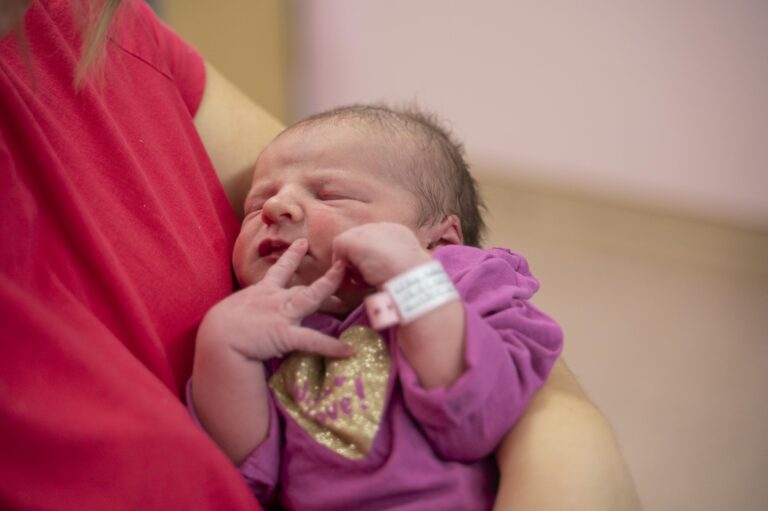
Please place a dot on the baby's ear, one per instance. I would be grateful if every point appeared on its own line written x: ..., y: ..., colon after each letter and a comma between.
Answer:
x: 447, y: 232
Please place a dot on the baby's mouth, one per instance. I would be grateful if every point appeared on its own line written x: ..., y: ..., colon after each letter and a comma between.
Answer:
x: 274, y: 248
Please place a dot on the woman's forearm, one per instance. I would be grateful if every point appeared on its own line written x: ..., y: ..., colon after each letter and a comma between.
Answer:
x: 234, y: 130
x: 563, y: 455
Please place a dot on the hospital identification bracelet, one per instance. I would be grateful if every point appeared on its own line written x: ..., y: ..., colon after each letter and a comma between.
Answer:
x: 410, y: 295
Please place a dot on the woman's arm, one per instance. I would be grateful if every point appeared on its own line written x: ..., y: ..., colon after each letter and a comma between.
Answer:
x: 563, y: 455
x: 234, y: 130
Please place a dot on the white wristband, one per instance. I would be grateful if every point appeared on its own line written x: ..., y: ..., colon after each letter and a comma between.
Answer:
x: 410, y: 295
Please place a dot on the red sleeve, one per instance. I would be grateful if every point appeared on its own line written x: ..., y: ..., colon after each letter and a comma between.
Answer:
x: 150, y: 39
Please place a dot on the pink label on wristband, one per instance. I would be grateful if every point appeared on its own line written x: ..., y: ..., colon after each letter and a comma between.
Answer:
x: 381, y: 310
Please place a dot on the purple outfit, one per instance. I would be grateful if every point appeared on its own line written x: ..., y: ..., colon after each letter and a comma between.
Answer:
x: 433, y: 448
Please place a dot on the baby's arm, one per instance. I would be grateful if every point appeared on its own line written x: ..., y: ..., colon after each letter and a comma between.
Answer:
x: 510, y: 347
x: 229, y: 389
x: 472, y: 365
x: 433, y: 343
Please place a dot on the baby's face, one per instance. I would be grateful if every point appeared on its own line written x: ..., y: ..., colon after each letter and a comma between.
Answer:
x: 315, y: 183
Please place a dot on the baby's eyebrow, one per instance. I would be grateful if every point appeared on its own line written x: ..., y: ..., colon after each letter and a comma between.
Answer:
x: 257, y: 190
x: 322, y: 176
x: 260, y: 186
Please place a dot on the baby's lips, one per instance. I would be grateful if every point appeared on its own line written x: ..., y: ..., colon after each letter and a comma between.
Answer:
x: 271, y: 246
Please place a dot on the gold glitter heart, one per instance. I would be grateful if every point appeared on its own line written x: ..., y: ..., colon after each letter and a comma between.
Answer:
x: 338, y: 402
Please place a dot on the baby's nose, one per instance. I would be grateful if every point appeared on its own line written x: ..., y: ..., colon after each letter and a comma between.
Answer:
x: 281, y: 207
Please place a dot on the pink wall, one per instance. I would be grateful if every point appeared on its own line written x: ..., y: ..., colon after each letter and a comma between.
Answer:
x: 658, y: 101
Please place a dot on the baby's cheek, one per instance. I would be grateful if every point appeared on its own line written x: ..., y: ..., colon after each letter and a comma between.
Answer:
x: 238, y: 258
x: 245, y: 255
x: 322, y: 231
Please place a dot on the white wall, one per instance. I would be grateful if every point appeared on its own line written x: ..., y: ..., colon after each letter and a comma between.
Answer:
x: 663, y: 102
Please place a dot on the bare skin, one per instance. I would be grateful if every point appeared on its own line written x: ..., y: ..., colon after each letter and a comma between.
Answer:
x: 234, y: 131
x: 563, y: 455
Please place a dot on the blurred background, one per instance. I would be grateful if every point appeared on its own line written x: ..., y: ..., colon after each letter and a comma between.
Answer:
x: 621, y: 146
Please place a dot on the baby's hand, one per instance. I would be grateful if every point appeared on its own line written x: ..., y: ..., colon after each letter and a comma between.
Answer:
x: 379, y: 251
x: 262, y: 321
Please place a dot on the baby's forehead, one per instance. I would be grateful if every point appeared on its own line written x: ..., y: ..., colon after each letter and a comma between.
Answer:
x: 349, y: 143
x: 331, y: 130
x: 393, y: 134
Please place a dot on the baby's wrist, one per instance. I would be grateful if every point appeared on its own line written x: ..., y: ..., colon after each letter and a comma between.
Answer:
x: 404, y: 265
x: 410, y: 295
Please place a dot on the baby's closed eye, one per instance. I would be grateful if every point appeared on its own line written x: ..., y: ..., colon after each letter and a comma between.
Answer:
x: 339, y: 194
x: 335, y: 195
x: 254, y: 206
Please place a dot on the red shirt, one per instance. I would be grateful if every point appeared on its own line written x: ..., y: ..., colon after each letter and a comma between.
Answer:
x: 115, y: 240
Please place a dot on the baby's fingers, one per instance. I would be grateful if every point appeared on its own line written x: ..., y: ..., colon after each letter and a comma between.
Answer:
x: 333, y: 305
x: 280, y: 273
x: 306, y: 300
x: 312, y: 341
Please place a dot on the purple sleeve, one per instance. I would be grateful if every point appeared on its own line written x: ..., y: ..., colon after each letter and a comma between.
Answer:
x: 262, y: 466
x: 510, y: 349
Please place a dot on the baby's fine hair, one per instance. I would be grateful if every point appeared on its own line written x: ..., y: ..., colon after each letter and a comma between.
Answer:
x: 448, y: 187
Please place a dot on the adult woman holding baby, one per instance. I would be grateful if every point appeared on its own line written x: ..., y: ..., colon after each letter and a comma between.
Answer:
x: 123, y: 157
